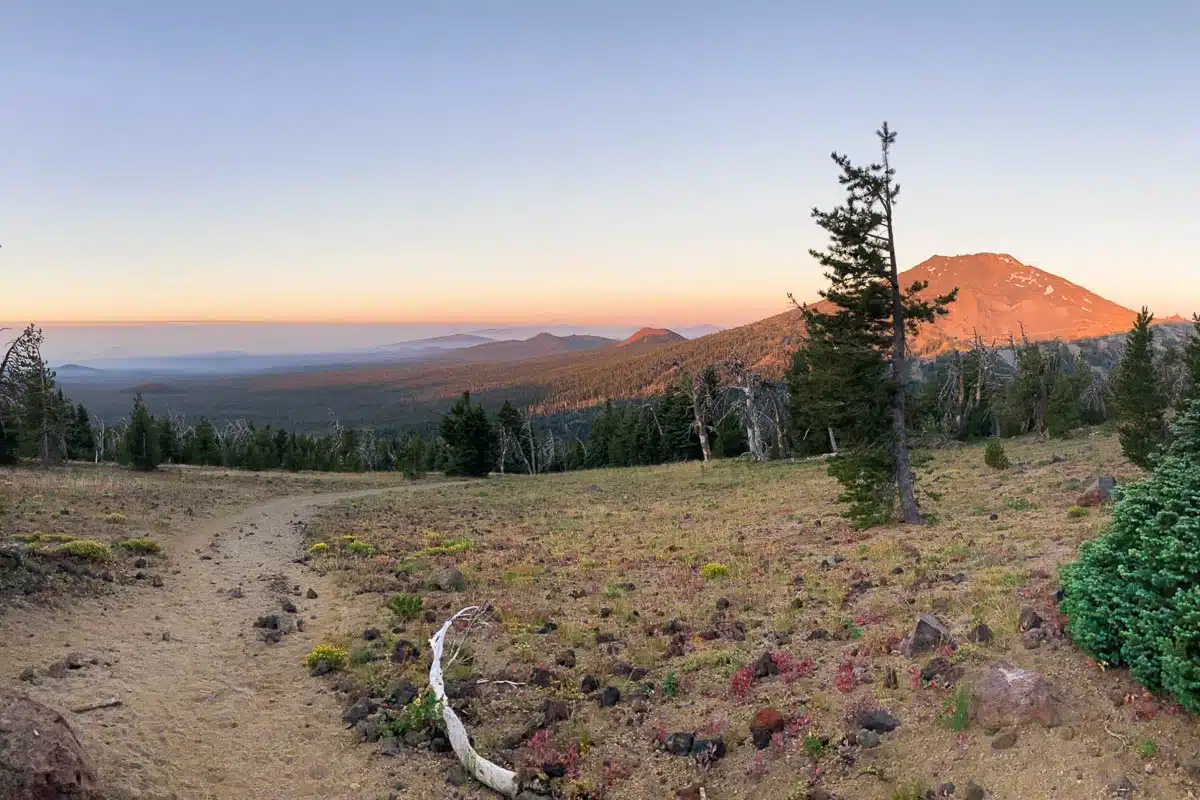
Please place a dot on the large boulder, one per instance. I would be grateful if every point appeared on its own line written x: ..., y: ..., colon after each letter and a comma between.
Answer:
x: 1009, y: 696
x: 1098, y: 493
x: 927, y: 635
x: 40, y: 756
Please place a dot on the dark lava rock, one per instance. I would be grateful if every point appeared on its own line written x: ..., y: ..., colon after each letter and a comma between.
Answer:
x: 404, y: 651
x: 322, y: 667
x: 370, y: 634
x: 637, y: 673
x: 450, y: 580
x: 1121, y: 787
x: 1028, y: 619
x: 1004, y: 740
x: 817, y: 635
x: 980, y: 634
x: 555, y: 711
x: 589, y: 684
x: 40, y: 756
x: 610, y: 697
x: 288, y: 606
x: 722, y: 603
x: 974, y: 791
x: 553, y: 771
x: 547, y: 628
x: 140, y: 563
x: 939, y: 668
x: 311, y: 594
x: 709, y: 749
x: 766, y: 723
x: 541, y: 677
x: 401, y: 693
x: 876, y: 720
x: 357, y: 712
x: 765, y: 666
x: 566, y: 659
x: 679, y: 744
x: 605, y: 638
x: 928, y: 635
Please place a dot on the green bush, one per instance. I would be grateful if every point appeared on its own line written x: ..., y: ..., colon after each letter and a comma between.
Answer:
x: 994, y: 455
x: 141, y: 544
x: 1133, y: 597
x: 87, y: 549
x: 334, y: 656
x: 713, y: 570
x: 405, y: 606
x: 1077, y: 512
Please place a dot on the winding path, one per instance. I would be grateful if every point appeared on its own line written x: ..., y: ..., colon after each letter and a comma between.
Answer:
x: 209, y: 711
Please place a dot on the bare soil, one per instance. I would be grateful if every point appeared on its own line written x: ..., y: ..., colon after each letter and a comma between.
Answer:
x: 208, y: 709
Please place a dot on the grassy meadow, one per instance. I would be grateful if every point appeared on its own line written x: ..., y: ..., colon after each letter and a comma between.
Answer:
x: 671, y: 583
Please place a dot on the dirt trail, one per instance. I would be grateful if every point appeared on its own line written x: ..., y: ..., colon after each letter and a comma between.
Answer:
x: 209, y: 710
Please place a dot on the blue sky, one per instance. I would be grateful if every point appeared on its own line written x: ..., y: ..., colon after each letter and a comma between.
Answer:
x: 617, y: 163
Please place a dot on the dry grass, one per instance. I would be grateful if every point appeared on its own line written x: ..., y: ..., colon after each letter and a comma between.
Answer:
x: 127, y: 511
x: 623, y: 552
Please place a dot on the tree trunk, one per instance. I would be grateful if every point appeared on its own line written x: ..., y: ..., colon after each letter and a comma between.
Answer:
x: 904, y: 475
x: 699, y: 417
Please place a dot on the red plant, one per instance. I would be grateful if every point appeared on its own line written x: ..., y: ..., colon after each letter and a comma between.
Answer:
x: 758, y: 767
x: 541, y: 747
x: 573, y: 762
x: 794, y: 725
x: 844, y: 680
x: 790, y: 667
x: 914, y: 678
x: 742, y: 680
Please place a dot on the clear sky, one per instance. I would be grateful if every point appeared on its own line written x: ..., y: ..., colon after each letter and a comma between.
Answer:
x: 606, y: 162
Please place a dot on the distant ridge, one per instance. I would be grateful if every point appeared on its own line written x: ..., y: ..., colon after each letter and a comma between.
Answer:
x: 651, y: 337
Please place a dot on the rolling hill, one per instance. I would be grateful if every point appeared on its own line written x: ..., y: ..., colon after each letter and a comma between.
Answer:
x: 998, y: 297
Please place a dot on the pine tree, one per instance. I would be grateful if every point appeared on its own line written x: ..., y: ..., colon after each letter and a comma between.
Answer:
x: 169, y: 449
x: 141, y: 438
x: 44, y: 416
x: 867, y: 329
x: 1138, y: 397
x: 1191, y: 360
x: 81, y: 439
x: 1063, y: 413
x: 470, y: 439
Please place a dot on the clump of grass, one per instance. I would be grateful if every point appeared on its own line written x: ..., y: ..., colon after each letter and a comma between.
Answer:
x: 405, y: 606
x: 914, y: 790
x: 1147, y: 748
x: 141, y: 544
x: 318, y: 549
x: 814, y: 747
x: 335, y: 657
x: 360, y: 548
x: 87, y: 549
x: 60, y: 538
x: 956, y: 710
x: 670, y: 685
x: 1075, y: 512
x: 362, y: 655
x: 449, y: 548
x: 1018, y: 504
x: 714, y: 570
x: 994, y: 455
x: 114, y: 518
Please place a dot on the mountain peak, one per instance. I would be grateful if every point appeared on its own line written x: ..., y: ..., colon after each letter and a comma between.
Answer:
x: 652, y: 337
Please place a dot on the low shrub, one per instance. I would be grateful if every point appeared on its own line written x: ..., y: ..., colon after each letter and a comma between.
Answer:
x: 115, y: 518
x: 318, y: 549
x: 994, y: 455
x: 712, y: 571
x: 360, y: 548
x: 405, y: 606
x: 141, y: 544
x: 87, y: 549
x: 421, y: 713
x: 335, y: 657
x: 1076, y: 512
x: 1133, y: 596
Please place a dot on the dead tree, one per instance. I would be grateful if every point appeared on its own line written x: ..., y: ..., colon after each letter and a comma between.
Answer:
x: 749, y: 384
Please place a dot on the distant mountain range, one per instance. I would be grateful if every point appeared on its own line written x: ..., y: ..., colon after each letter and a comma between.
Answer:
x: 998, y: 298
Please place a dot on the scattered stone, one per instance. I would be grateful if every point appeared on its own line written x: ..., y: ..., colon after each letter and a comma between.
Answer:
x: 831, y: 561
x: 939, y: 668
x: 765, y: 666
x: 868, y: 738
x: 357, y: 712
x: 370, y: 634
x: 605, y: 638
x: 1004, y: 740
x: 877, y: 720
x: 236, y: 593
x: 1121, y: 787
x: 1009, y: 696
x: 610, y: 697
x: 1098, y: 493
x: 288, y: 606
x: 722, y: 603
x: 40, y: 755
x: 589, y: 684
x: 980, y: 634
x: 993, y: 517
x: 401, y: 693
x: 709, y: 749
x: 140, y: 563
x: 928, y: 635
x: 637, y: 673
x: 974, y: 791
x: 450, y: 580
x: 691, y: 793
x: 541, y: 677
x: 605, y: 612
x: 555, y: 711
x: 566, y: 659
x: 430, y: 616
x: 677, y: 647
x: 156, y: 581
x: 679, y: 744
x: 766, y: 724
x: 1033, y: 638
x: 311, y: 594
x: 1028, y: 619
x: 817, y: 635
x: 29, y: 675
x: 404, y: 651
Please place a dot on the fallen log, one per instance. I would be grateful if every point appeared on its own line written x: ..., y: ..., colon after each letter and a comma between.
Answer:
x: 489, y: 774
